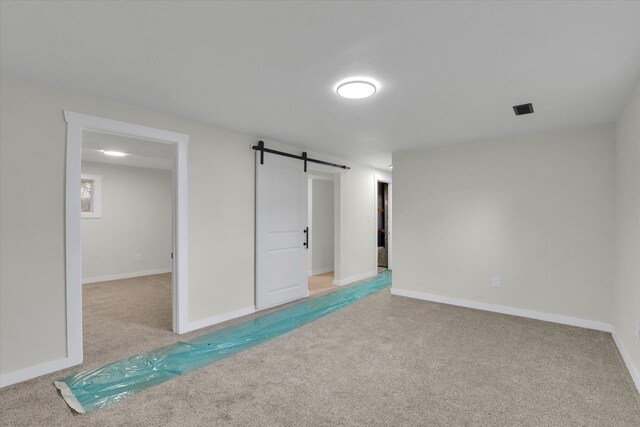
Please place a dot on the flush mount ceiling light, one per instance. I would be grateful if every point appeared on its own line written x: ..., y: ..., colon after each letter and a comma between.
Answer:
x: 357, y: 87
x: 113, y: 153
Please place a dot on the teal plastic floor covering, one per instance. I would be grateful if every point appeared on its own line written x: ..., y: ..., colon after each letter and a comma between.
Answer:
x: 88, y: 391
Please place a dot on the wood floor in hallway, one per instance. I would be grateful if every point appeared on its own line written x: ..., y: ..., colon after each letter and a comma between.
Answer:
x: 321, y: 283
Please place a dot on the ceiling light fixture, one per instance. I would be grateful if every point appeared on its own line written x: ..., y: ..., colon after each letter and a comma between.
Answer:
x: 113, y: 153
x: 357, y: 87
x: 390, y: 166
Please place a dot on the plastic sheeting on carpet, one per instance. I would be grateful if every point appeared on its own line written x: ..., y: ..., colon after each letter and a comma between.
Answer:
x: 88, y: 391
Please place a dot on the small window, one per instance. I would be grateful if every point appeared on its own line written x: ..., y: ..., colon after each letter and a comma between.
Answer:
x: 90, y: 196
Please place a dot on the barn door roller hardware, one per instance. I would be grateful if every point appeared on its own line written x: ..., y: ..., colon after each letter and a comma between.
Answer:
x: 262, y: 149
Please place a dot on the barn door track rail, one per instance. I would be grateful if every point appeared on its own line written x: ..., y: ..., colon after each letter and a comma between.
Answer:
x: 262, y: 149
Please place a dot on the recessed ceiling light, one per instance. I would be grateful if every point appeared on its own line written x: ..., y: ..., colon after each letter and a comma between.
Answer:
x: 113, y: 153
x: 357, y: 87
x: 390, y: 166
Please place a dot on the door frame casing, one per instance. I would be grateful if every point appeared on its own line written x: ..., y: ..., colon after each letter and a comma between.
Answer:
x: 77, y: 123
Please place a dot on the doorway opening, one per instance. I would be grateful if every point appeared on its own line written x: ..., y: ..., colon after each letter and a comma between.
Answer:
x: 93, y: 201
x: 321, y: 222
x: 282, y: 224
x: 382, y: 220
x: 126, y: 198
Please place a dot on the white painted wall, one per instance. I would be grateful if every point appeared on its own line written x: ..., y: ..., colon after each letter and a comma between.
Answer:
x: 537, y: 211
x: 221, y: 216
x: 356, y: 228
x: 321, y: 226
x: 626, y: 303
x: 136, y: 221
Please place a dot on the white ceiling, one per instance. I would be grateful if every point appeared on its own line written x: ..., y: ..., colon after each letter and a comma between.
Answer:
x: 449, y: 71
x: 140, y: 153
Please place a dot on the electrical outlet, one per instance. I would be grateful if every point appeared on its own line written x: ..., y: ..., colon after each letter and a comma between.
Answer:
x: 495, y: 281
x: 138, y: 258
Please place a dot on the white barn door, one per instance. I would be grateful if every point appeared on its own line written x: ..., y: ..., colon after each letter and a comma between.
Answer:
x: 281, y: 230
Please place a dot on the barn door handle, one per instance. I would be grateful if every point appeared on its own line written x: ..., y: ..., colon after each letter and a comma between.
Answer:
x: 306, y: 237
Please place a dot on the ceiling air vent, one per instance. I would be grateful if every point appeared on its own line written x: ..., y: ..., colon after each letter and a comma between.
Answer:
x: 523, y: 109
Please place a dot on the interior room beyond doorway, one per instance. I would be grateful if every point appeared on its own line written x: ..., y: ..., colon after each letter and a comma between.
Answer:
x: 126, y: 228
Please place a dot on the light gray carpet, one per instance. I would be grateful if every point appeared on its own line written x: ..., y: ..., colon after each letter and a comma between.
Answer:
x: 385, y: 360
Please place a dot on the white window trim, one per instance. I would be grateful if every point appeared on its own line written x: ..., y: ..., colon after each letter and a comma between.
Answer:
x: 96, y: 196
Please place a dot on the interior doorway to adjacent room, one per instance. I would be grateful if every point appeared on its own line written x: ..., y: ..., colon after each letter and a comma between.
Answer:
x: 321, y: 219
x: 85, y: 133
x: 382, y: 223
x: 282, y: 225
x: 126, y: 195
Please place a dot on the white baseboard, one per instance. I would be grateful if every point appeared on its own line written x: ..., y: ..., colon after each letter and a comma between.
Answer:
x: 320, y: 271
x: 36, y: 371
x: 633, y: 369
x: 198, y: 324
x: 548, y: 317
x: 125, y: 275
x: 349, y: 280
x: 56, y: 365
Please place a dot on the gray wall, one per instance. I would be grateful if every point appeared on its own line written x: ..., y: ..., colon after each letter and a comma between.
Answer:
x: 136, y: 221
x: 537, y: 211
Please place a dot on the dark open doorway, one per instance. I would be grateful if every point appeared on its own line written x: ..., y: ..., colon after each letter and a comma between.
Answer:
x: 383, y: 223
